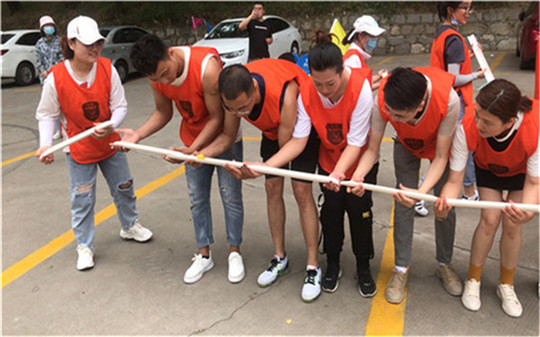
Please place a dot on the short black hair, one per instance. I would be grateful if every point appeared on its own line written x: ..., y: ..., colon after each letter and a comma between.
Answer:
x: 288, y: 57
x: 147, y: 53
x: 442, y: 8
x: 259, y: 3
x: 404, y: 89
x: 234, y: 80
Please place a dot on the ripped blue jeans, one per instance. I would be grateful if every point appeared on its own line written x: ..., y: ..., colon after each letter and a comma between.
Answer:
x: 82, y: 180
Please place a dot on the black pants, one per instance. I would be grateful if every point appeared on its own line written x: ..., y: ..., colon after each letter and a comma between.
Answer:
x: 360, y: 220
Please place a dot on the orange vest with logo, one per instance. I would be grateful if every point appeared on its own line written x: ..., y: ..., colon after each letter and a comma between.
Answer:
x: 437, y: 61
x: 332, y: 125
x: 350, y: 52
x: 83, y: 107
x: 421, y: 139
x: 275, y: 73
x: 513, y: 160
x: 189, y: 96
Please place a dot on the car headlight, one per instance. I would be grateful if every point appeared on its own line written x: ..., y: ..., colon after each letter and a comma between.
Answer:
x: 233, y: 54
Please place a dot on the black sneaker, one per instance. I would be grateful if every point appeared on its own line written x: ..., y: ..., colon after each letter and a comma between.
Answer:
x: 366, y: 285
x: 331, y: 278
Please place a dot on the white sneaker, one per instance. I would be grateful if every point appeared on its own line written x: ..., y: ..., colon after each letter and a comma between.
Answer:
x: 474, y: 197
x: 420, y: 208
x: 510, y: 303
x: 57, y: 135
x: 236, y: 268
x: 278, y: 267
x: 86, y: 257
x: 471, y: 295
x: 312, y: 285
x: 136, y: 232
x: 199, y: 266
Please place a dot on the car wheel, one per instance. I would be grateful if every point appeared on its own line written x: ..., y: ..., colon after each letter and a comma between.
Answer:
x: 25, y: 74
x: 122, y: 69
x: 294, y: 48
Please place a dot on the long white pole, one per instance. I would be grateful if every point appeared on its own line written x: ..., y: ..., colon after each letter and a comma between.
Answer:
x: 322, y: 179
x: 75, y: 139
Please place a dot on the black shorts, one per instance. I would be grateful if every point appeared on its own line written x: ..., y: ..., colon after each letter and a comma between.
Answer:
x: 486, y: 178
x: 305, y: 162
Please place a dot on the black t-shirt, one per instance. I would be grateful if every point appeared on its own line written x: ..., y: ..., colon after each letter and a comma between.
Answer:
x: 258, y: 32
x: 453, y: 48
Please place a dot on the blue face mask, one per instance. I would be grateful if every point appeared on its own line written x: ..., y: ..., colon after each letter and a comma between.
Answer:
x: 48, y: 30
x: 371, y: 44
x: 455, y: 22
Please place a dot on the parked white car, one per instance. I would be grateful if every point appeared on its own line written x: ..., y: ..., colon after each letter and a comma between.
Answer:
x: 19, y: 56
x: 232, y: 43
x: 120, y: 40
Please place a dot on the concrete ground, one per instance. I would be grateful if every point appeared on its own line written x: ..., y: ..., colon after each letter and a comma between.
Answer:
x: 137, y: 289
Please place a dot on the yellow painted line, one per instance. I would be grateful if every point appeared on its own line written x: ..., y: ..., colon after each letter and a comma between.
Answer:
x: 24, y: 156
x: 252, y: 138
x: 26, y: 264
x: 28, y: 90
x: 383, y: 61
x: 386, y: 319
x: 498, y: 60
x: 387, y: 139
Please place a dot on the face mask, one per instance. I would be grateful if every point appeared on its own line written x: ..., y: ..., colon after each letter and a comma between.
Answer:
x: 48, y: 30
x: 455, y: 22
x: 371, y: 44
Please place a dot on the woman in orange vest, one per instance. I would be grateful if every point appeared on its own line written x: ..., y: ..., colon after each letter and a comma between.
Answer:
x: 363, y: 40
x: 502, y: 130
x: 450, y: 53
x: 337, y: 104
x: 423, y: 109
x: 83, y: 91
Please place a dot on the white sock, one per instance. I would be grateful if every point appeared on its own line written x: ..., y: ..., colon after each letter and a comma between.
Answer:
x: 311, y: 267
x: 402, y: 270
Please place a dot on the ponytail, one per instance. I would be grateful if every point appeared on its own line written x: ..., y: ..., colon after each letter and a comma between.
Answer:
x: 326, y: 54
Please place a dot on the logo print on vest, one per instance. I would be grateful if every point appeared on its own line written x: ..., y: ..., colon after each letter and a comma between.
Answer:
x: 91, y: 110
x: 497, y: 169
x: 186, y: 106
x: 334, y: 133
x: 415, y: 144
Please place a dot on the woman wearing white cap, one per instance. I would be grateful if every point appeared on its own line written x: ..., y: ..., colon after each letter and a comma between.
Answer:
x: 363, y: 39
x: 85, y: 90
x: 48, y: 53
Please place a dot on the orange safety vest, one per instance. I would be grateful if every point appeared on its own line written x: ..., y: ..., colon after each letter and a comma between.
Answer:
x: 275, y: 73
x: 437, y: 61
x: 189, y: 96
x: 83, y: 107
x: 332, y: 125
x: 421, y: 139
x: 350, y: 52
x: 513, y: 160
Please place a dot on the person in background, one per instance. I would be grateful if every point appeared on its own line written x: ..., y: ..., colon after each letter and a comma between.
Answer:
x: 363, y: 40
x: 260, y: 33
x: 450, y: 53
x: 188, y: 77
x: 48, y: 53
x: 423, y: 108
x: 502, y: 131
x: 86, y: 90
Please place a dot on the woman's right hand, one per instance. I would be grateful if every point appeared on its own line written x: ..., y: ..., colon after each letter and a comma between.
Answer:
x: 481, y: 73
x: 47, y: 159
x: 129, y: 136
x: 441, y: 208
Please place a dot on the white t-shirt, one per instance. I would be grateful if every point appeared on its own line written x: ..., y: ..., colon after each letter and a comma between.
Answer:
x: 360, y: 119
x: 460, y: 151
x: 354, y: 61
x: 49, y: 110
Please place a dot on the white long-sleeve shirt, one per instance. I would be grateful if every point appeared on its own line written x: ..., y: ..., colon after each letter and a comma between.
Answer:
x: 48, y: 110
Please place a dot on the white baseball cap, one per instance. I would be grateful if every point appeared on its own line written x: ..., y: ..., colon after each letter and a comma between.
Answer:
x: 368, y: 24
x: 46, y: 20
x: 84, y: 29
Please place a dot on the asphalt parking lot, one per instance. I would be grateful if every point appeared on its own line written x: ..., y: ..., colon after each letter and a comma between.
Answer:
x: 137, y: 289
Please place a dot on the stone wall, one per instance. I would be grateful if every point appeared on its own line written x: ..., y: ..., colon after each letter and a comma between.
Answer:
x: 405, y: 33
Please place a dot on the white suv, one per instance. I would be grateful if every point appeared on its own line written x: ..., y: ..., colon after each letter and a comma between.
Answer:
x: 19, y: 56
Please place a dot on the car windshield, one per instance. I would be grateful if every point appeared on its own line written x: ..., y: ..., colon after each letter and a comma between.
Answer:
x: 6, y: 37
x: 227, y: 30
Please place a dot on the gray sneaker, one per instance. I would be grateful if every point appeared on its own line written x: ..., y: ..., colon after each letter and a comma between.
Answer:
x: 395, y: 289
x: 449, y: 279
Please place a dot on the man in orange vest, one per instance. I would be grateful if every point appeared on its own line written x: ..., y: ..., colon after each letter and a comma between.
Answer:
x: 188, y: 76
x: 423, y: 108
x: 264, y: 93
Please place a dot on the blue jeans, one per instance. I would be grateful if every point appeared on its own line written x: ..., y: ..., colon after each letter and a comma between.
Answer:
x: 199, y: 181
x: 82, y: 179
x: 470, y: 175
